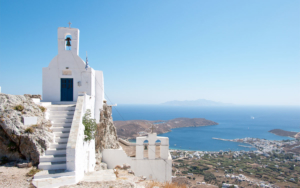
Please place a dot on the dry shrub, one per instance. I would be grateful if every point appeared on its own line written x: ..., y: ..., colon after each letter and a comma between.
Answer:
x: 116, y: 173
x: 19, y: 107
x: 35, y: 126
x: 29, y: 130
x: 118, y: 167
x: 32, y: 172
x: 43, y: 109
x: 152, y: 184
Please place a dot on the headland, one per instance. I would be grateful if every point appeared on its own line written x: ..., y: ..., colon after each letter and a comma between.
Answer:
x: 133, y: 128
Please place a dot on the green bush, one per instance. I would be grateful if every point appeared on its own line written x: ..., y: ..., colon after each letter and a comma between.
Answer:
x: 90, y: 126
x: 209, y: 177
x: 19, y: 107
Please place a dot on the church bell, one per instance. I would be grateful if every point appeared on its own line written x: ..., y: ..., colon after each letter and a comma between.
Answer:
x: 68, y: 41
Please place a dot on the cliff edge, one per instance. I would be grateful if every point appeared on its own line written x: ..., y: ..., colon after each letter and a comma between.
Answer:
x: 106, y: 133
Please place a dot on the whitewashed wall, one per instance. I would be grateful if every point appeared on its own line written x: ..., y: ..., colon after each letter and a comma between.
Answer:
x: 159, y: 169
x: 69, y: 61
x: 80, y: 154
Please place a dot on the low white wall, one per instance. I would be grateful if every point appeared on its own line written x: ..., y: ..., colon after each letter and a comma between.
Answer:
x: 155, y: 169
x: 80, y: 154
x: 114, y: 157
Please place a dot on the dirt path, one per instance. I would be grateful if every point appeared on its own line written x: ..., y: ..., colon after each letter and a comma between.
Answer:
x: 14, y: 177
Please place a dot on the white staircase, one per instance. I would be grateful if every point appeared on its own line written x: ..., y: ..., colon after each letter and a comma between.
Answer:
x: 53, y: 162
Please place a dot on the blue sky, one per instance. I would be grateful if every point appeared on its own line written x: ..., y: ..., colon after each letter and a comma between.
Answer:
x: 241, y: 52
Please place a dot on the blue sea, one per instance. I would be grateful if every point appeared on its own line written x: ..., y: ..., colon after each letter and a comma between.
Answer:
x: 234, y: 122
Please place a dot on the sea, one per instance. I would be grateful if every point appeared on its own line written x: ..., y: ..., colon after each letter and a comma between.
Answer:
x: 233, y: 122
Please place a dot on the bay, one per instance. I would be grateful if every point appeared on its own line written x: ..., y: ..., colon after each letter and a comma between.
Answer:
x: 234, y: 122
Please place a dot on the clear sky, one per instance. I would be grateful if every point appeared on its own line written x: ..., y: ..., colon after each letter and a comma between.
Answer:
x: 233, y: 51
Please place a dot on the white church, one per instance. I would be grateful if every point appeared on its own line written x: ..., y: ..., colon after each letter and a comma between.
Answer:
x: 70, y: 87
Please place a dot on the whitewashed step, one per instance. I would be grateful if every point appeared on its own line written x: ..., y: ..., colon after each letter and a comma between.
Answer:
x: 61, y: 134
x: 61, y: 129
x: 63, y: 108
x: 62, y: 120
x: 52, y: 165
x: 63, y: 112
x: 56, y: 152
x: 56, y: 146
x: 52, y: 158
x: 61, y: 124
x: 53, y: 174
x: 60, y: 140
x: 66, y: 103
x: 54, y: 117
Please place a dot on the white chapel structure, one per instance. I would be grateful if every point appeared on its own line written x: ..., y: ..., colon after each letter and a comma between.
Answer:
x: 68, y: 76
x: 70, y: 89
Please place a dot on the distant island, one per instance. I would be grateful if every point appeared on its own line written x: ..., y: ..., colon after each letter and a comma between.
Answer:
x: 133, y: 128
x: 281, y: 132
x: 199, y: 102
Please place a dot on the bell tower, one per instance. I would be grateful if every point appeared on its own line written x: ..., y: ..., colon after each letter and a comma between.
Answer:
x: 68, y: 36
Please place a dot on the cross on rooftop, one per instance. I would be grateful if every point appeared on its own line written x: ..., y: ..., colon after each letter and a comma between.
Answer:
x: 152, y: 128
x: 69, y: 24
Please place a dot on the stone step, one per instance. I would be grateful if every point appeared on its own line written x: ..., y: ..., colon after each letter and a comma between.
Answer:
x: 54, y: 117
x: 61, y: 120
x: 61, y: 113
x: 62, y: 134
x: 53, y: 174
x: 61, y: 140
x: 61, y: 129
x: 52, y: 158
x: 52, y: 165
x: 56, y: 152
x: 61, y: 108
x: 61, y: 124
x: 56, y: 146
x: 64, y: 103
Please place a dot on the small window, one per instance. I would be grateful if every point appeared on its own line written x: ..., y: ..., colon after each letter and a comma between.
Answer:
x: 68, y: 42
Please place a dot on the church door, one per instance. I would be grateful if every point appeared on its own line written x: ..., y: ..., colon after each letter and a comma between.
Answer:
x: 66, y: 91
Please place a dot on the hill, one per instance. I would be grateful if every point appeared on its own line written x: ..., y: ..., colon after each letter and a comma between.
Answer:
x: 133, y: 128
x: 199, y: 102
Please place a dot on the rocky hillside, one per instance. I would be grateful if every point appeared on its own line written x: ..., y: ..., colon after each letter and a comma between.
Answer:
x: 19, y: 142
x: 106, y: 133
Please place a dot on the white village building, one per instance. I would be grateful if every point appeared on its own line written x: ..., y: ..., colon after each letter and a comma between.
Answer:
x: 70, y: 87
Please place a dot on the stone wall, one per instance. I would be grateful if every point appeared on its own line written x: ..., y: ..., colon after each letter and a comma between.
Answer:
x: 17, y: 142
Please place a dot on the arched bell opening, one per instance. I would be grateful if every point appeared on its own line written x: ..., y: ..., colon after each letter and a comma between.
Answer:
x: 68, y: 42
x: 146, y: 147
x: 157, y: 148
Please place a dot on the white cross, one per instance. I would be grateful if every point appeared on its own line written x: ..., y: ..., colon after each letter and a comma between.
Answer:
x: 69, y: 24
x: 152, y: 128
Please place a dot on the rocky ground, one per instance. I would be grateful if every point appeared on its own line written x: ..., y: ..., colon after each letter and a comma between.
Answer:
x: 14, y: 177
x: 103, y: 184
